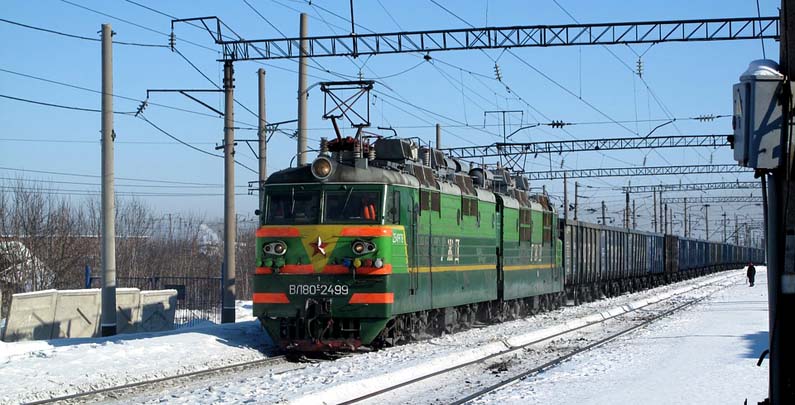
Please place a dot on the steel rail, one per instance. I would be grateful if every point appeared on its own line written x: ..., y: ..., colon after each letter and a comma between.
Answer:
x: 546, y: 365
x: 87, y: 395
x: 567, y: 356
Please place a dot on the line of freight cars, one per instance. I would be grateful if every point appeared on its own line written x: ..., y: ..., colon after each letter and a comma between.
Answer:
x: 603, y: 261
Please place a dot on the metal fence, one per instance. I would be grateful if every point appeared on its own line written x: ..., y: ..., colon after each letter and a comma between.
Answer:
x: 199, y: 299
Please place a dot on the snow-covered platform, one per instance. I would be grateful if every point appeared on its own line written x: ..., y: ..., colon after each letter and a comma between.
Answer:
x: 706, y: 355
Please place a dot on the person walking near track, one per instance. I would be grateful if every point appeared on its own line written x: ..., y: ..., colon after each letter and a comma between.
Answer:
x: 751, y: 273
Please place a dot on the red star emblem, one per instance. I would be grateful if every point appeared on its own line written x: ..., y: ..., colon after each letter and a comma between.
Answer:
x: 319, y: 247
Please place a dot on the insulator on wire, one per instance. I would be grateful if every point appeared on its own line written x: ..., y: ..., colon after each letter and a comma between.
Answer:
x: 172, y: 40
x: 497, y: 73
x: 705, y: 118
x: 142, y: 107
x: 640, y: 67
x: 557, y: 124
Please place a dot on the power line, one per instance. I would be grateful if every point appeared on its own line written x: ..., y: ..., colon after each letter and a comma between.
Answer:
x: 83, y: 141
x: 123, y: 193
x: 79, y: 36
x: 137, y: 100
x: 143, y: 27
x: 81, y: 183
x: 66, y: 107
x: 83, y: 175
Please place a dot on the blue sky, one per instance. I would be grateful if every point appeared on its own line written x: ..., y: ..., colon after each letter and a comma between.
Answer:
x: 686, y: 80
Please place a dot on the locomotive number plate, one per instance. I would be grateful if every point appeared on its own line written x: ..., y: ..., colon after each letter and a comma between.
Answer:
x: 318, y: 289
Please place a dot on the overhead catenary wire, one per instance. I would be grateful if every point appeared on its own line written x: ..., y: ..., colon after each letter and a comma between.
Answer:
x: 161, y: 130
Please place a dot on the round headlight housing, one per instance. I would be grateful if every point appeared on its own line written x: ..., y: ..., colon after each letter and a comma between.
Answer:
x: 322, y: 168
x: 361, y: 247
x: 278, y: 248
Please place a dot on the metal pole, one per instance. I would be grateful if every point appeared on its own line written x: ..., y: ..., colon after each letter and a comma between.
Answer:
x: 634, y: 217
x: 262, y: 138
x: 302, y: 92
x: 780, y: 230
x: 230, y: 230
x: 565, y: 197
x: 576, y: 199
x: 108, y: 322
x: 438, y: 136
x: 665, y: 218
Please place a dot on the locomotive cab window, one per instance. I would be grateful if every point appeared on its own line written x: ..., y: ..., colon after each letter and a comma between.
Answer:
x: 352, y: 205
x: 292, y: 206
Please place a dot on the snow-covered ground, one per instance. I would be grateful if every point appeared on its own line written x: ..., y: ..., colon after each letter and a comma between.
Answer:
x: 706, y: 355
x: 42, y: 369
x: 36, y: 370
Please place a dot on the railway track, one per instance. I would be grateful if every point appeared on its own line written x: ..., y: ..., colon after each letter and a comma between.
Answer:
x: 121, y: 391
x: 644, y: 316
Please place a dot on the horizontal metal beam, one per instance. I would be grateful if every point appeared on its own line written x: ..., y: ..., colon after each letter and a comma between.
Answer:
x: 636, y: 171
x: 713, y: 200
x: 728, y: 185
x: 584, y: 145
x: 718, y: 29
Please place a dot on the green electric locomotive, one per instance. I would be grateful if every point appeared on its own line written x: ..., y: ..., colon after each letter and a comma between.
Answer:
x: 378, y: 242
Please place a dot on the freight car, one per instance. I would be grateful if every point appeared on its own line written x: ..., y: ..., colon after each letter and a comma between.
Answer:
x: 376, y: 243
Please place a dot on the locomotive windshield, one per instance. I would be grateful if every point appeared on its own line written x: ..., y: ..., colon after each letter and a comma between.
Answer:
x: 352, y: 206
x: 291, y: 206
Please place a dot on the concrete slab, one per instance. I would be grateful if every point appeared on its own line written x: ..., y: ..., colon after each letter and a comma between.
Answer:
x: 30, y: 316
x: 157, y: 310
x: 128, y: 310
x: 77, y: 313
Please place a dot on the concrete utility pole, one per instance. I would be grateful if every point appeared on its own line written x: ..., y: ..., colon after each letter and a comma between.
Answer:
x: 230, y: 227
x: 736, y: 231
x: 634, y: 216
x: 626, y: 211
x: 662, y: 224
x: 654, y: 213
x: 576, y: 199
x: 685, y: 218
x: 706, y: 220
x: 438, y: 136
x: 664, y: 217
x: 302, y: 91
x: 565, y: 197
x: 604, y: 217
x: 108, y: 322
x: 262, y: 138
x: 724, y: 227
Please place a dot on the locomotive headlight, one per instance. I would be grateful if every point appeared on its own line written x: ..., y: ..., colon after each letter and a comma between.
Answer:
x: 278, y: 248
x: 322, y: 168
x: 379, y: 263
x: 361, y: 247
